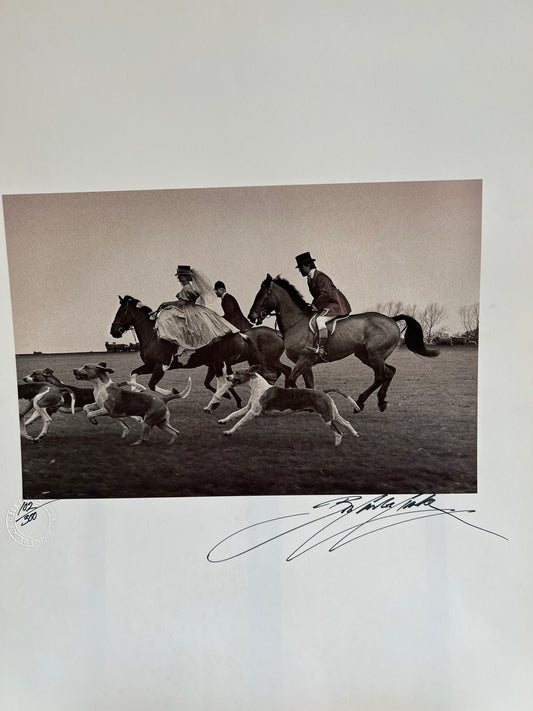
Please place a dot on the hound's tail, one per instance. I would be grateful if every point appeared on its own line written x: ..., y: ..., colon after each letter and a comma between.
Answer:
x: 176, y: 394
x: 72, y: 394
x: 356, y: 407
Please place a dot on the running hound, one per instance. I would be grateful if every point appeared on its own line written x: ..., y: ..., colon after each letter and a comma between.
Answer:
x: 265, y: 397
x: 112, y: 401
x: 75, y: 398
x: 43, y: 398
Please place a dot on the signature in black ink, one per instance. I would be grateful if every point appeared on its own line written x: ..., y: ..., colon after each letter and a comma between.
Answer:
x: 366, y: 515
x: 28, y: 512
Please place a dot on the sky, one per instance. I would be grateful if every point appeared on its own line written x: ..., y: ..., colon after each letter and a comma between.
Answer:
x: 71, y: 254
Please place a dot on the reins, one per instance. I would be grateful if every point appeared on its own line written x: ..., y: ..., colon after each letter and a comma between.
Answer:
x: 127, y: 307
x: 298, y: 314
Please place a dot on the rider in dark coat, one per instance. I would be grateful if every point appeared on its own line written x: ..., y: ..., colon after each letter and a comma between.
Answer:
x: 230, y: 307
x: 329, y: 301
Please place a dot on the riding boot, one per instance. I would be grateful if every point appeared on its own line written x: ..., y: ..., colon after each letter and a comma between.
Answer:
x: 321, y: 347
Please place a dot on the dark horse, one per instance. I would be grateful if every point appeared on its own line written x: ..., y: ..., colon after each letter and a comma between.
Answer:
x: 370, y: 336
x: 259, y: 346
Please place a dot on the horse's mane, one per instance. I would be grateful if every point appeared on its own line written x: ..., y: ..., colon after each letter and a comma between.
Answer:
x: 145, y: 309
x: 293, y: 292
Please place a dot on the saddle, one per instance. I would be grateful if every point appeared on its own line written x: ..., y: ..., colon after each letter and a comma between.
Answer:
x: 330, y: 325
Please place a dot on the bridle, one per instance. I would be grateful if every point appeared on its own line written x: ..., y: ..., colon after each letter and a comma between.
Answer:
x: 120, y: 325
x: 263, y: 314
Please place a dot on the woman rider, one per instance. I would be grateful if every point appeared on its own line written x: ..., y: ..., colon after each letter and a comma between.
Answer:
x: 187, y: 322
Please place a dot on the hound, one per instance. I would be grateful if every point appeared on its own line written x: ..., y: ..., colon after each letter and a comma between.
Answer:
x: 43, y: 398
x: 78, y: 397
x: 112, y: 401
x: 265, y: 397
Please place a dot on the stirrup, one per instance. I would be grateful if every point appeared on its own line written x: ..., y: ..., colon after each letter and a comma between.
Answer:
x: 319, y: 352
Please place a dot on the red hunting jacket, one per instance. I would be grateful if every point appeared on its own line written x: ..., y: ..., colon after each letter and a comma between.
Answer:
x: 326, y: 295
x: 233, y: 313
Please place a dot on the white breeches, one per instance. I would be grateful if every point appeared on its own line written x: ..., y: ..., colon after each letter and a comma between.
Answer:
x: 321, y: 321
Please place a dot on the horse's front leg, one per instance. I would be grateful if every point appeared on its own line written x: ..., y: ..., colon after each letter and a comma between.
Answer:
x: 157, y: 375
x: 208, y: 380
x: 286, y: 372
x: 304, y: 368
x: 309, y: 378
x: 232, y: 392
x: 223, y: 386
x: 144, y: 369
x: 222, y: 390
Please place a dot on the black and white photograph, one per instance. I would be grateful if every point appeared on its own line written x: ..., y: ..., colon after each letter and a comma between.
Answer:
x: 393, y: 268
x: 266, y: 391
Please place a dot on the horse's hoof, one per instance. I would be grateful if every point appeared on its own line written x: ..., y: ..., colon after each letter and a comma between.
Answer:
x: 383, y: 406
x: 361, y: 408
x: 227, y: 433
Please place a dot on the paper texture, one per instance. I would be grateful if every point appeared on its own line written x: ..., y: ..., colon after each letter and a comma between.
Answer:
x: 115, y: 603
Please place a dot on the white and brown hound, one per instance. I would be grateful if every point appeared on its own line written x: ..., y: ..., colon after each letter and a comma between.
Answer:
x: 112, y: 401
x: 75, y: 398
x: 265, y: 397
x: 43, y: 398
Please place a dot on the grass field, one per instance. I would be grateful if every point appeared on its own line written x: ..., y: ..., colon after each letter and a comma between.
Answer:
x: 424, y: 442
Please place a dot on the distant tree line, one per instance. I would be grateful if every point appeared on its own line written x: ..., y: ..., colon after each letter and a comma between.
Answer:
x: 432, y: 319
x: 470, y: 320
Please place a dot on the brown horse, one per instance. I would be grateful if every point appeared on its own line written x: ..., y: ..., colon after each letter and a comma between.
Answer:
x: 259, y: 346
x: 370, y: 336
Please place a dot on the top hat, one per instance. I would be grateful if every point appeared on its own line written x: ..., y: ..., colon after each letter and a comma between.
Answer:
x: 183, y: 269
x: 219, y: 285
x: 304, y: 258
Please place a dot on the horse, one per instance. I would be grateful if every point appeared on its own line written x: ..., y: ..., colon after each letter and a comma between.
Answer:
x: 259, y: 346
x: 369, y: 336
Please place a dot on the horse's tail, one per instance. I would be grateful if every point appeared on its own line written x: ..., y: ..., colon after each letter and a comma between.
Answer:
x: 176, y: 394
x: 414, y: 336
x: 356, y: 407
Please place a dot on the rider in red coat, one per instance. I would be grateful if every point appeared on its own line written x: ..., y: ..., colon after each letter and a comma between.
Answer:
x: 329, y: 302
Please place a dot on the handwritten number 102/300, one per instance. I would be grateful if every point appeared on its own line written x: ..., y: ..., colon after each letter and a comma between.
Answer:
x: 27, y: 517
